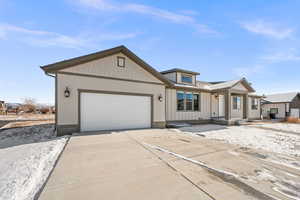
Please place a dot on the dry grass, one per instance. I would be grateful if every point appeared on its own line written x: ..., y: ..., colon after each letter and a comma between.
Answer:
x: 26, y: 123
x: 292, y: 120
x: 27, y: 116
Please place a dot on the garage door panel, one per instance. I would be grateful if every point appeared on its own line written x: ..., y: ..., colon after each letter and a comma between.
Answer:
x: 113, y: 111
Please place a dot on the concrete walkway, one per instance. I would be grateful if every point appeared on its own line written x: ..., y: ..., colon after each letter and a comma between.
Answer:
x: 114, y: 166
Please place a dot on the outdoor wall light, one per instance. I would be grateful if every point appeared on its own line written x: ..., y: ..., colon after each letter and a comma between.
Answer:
x: 160, y: 98
x: 67, y: 92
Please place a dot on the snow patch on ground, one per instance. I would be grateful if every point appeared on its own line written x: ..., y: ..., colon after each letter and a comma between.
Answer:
x: 26, y: 159
x: 294, y: 128
x: 250, y: 137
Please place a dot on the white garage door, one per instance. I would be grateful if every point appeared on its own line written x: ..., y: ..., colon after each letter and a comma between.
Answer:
x: 99, y: 111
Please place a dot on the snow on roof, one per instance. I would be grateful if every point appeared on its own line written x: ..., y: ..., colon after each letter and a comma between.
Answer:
x: 282, y: 97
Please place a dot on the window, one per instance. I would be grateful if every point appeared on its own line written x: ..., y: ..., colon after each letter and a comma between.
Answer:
x: 180, y: 101
x: 187, y: 101
x: 254, y: 103
x: 274, y: 110
x: 120, y: 61
x: 186, y: 79
x: 196, y: 102
x: 236, y: 103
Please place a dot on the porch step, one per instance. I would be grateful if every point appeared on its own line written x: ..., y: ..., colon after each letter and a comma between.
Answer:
x: 177, y: 125
x: 241, y: 122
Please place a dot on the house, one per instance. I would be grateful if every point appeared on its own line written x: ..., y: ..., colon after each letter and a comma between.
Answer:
x: 2, y: 107
x: 281, y: 105
x: 115, y: 89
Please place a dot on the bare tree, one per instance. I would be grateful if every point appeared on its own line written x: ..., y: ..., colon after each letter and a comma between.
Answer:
x: 29, y: 105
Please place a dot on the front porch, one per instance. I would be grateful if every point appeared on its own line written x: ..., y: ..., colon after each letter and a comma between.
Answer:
x: 229, y: 106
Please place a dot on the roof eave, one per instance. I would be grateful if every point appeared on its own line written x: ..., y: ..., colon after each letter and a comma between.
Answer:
x: 52, y: 68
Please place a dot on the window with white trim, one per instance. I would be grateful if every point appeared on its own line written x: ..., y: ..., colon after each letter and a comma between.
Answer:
x: 188, y: 101
x: 120, y: 61
x: 180, y: 101
x: 254, y: 103
x: 236, y: 102
x: 186, y: 78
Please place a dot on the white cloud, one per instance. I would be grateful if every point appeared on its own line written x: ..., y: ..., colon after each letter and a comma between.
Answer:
x: 46, y: 38
x: 248, y: 71
x: 268, y: 29
x: 173, y: 17
x: 283, y: 56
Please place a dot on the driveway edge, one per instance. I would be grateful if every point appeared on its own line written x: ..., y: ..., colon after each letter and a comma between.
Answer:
x: 37, y: 195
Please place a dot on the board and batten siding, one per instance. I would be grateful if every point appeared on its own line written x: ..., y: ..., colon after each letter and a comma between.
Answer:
x: 214, y: 106
x: 171, y: 76
x: 171, y: 107
x: 253, y: 114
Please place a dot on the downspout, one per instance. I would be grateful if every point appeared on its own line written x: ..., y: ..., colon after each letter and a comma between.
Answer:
x: 54, y: 76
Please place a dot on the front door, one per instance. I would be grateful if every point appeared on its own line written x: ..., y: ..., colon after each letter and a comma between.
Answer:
x: 221, y: 106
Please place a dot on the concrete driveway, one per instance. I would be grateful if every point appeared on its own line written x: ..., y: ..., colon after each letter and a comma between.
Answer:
x: 114, y: 166
x: 163, y: 164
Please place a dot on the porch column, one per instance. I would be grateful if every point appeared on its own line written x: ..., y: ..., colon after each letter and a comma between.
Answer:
x: 227, y: 105
x: 245, y: 106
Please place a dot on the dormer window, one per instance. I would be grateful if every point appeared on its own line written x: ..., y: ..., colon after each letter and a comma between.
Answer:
x: 120, y: 61
x: 186, y: 79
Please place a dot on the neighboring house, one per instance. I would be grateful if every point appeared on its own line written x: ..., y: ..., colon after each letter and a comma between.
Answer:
x: 2, y: 107
x: 281, y: 105
x: 114, y: 89
x: 13, y: 107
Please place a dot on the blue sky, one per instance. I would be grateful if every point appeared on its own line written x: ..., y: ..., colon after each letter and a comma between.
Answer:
x: 223, y: 40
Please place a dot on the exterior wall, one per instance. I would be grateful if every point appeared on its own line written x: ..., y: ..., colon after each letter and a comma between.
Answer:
x: 173, y: 115
x: 171, y: 76
x: 67, y: 108
x: 281, y: 109
x: 107, y: 67
x: 295, y: 103
x: 253, y: 114
x: 239, y: 87
x: 214, y: 106
x: 237, y: 114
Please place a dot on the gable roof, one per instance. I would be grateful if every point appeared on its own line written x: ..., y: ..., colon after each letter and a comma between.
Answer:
x: 52, y: 68
x: 282, y: 97
x: 230, y: 84
x: 179, y: 70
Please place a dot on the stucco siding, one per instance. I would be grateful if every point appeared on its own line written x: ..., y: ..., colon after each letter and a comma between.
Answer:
x: 107, y: 67
x: 67, y: 112
x: 173, y: 115
x: 253, y: 114
x: 281, y: 109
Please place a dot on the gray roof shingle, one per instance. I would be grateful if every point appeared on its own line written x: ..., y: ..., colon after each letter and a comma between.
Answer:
x: 282, y: 97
